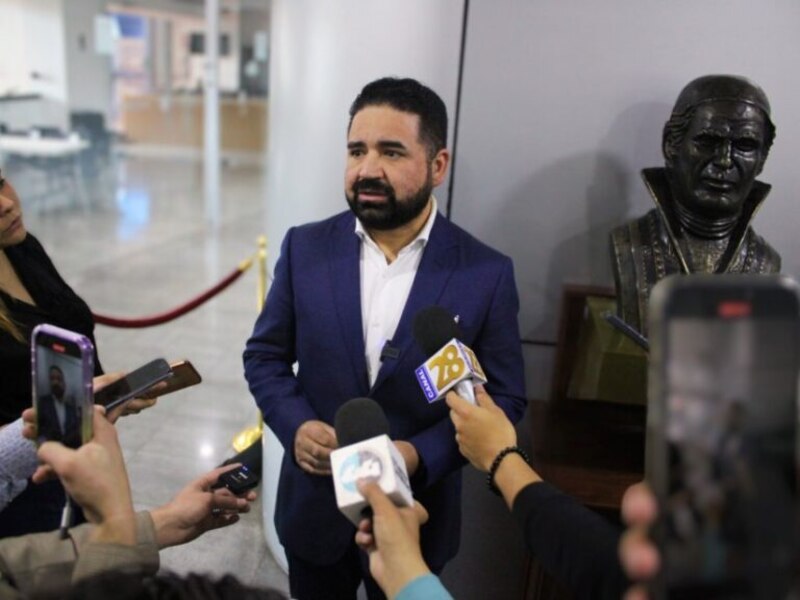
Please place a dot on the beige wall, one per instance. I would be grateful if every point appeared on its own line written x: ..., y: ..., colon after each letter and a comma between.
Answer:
x: 179, y: 122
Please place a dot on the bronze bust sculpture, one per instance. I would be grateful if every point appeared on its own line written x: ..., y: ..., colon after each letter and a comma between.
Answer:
x: 715, y: 143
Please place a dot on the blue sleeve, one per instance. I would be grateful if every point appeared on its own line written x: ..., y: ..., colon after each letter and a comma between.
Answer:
x: 427, y: 587
x: 270, y: 354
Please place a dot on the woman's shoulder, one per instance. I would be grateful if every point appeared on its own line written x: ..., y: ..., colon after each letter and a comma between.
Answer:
x: 28, y: 250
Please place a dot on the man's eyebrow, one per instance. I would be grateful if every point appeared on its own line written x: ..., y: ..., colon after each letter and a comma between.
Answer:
x: 391, y: 145
x: 382, y: 144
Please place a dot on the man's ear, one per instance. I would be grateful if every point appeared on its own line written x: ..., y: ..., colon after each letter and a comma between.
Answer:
x: 439, y: 165
x: 668, y: 158
x: 761, y: 163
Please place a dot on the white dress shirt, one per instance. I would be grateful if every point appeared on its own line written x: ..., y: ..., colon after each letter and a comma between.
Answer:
x: 385, y: 288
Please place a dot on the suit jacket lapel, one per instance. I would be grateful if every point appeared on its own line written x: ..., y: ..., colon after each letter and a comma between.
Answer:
x: 438, y: 262
x: 345, y: 277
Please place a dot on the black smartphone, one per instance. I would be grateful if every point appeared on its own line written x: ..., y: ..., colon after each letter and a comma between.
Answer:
x: 238, y: 481
x: 722, y: 447
x: 183, y: 375
x: 63, y: 364
x: 133, y: 384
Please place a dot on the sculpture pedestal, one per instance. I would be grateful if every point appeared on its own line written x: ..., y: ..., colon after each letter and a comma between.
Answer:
x: 608, y: 366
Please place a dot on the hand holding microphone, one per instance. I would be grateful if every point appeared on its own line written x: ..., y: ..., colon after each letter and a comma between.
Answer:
x: 391, y: 540
x: 366, y: 454
x: 482, y: 431
x: 452, y: 365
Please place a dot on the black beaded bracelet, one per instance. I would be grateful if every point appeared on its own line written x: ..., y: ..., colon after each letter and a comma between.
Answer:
x: 496, y: 465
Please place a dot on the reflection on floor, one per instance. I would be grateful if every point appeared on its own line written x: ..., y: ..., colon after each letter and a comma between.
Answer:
x: 142, y: 247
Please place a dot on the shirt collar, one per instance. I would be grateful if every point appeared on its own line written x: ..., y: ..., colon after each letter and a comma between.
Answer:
x: 422, y: 236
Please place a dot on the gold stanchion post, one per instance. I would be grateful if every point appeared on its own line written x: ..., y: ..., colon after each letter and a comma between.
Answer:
x: 249, y: 436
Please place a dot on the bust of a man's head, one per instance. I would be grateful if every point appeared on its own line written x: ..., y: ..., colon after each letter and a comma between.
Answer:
x: 715, y: 144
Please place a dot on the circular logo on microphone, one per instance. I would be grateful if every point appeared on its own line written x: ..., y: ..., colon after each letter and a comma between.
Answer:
x: 360, y: 465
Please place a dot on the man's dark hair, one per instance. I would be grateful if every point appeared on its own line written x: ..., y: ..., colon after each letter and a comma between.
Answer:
x: 408, y: 95
x: 55, y: 368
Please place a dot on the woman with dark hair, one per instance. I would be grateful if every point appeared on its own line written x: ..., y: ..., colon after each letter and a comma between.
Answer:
x: 31, y: 292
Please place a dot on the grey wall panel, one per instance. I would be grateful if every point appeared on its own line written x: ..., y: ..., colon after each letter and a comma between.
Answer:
x: 563, y: 104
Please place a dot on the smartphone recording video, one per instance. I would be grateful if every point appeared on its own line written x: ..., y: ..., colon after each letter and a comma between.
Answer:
x: 63, y: 367
x: 722, y: 424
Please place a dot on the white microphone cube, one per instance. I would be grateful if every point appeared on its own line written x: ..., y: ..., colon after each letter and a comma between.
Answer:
x: 374, y: 459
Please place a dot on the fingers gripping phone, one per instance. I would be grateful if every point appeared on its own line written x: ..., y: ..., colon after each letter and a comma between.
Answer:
x: 722, y: 441
x: 133, y: 384
x: 63, y: 367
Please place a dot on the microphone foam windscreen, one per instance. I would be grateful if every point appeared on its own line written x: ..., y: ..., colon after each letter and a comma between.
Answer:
x: 359, y: 419
x: 433, y: 328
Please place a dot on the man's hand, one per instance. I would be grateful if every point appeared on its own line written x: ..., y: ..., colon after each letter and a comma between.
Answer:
x: 639, y: 557
x: 197, y: 509
x: 94, y: 476
x: 410, y: 456
x: 482, y: 431
x: 312, y: 447
x: 391, y: 539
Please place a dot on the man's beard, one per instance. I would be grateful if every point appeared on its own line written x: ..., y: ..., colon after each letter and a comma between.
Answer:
x: 391, y: 213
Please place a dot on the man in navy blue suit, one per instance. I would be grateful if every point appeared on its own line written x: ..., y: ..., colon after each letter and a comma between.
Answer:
x: 58, y: 417
x: 346, y: 290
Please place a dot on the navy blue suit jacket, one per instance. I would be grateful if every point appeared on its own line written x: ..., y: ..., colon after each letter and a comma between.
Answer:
x: 312, y: 316
x: 49, y: 427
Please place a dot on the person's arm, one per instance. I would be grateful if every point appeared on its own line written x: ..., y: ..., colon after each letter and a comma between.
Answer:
x: 268, y: 359
x: 46, y: 561
x: 497, y: 346
x: 198, y: 508
x: 573, y: 543
x: 94, y: 476
x: 17, y: 462
x: 425, y: 587
x: 391, y: 540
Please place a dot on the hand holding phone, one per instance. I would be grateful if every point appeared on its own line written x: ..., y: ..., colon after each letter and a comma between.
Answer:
x: 722, y: 435
x: 133, y: 384
x: 239, y: 480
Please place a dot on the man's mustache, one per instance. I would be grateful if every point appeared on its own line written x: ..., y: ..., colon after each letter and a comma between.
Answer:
x: 373, y: 186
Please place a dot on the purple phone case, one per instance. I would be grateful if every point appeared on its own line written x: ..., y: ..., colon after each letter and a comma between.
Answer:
x: 84, y: 345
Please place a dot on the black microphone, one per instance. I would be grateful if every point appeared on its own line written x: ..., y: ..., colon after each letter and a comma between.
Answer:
x: 366, y: 453
x: 451, y: 364
x: 389, y: 352
x: 359, y: 419
x: 433, y: 327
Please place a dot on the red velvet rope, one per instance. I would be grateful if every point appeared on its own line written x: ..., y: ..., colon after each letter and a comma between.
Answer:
x: 181, y: 310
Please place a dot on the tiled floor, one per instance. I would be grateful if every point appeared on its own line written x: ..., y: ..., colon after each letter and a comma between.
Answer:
x: 142, y: 247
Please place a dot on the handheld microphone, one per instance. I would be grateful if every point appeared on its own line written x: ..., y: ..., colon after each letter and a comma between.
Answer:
x: 452, y: 364
x: 366, y: 452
